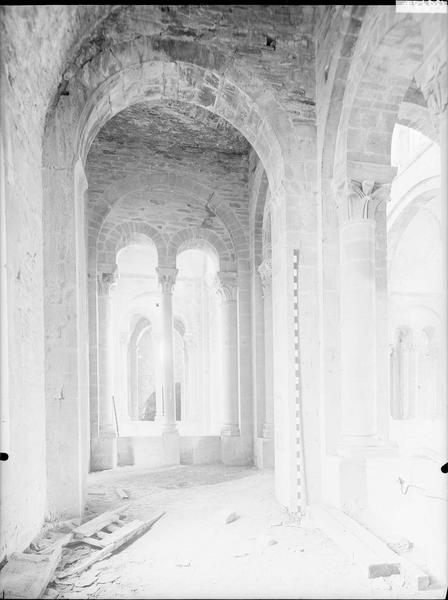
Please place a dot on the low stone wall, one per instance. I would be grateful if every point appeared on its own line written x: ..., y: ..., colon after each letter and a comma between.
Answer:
x: 150, y: 451
x: 200, y: 450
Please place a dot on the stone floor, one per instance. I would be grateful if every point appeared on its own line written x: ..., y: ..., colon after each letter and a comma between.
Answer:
x: 192, y: 553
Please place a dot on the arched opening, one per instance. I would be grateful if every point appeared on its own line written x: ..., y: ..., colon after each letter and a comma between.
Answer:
x: 198, y: 337
x: 415, y: 299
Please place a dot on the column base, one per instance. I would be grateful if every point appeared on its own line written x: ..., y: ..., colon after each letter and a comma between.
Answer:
x: 264, y: 453
x: 352, y: 446
x: 235, y: 450
x: 268, y: 431
x: 230, y: 430
x: 171, y: 447
x: 103, y: 453
x: 169, y: 428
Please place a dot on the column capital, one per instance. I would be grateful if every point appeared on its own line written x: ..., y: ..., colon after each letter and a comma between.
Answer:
x: 359, y: 200
x: 227, y: 285
x: 433, y: 81
x: 167, y: 278
x: 265, y: 271
x: 106, y: 282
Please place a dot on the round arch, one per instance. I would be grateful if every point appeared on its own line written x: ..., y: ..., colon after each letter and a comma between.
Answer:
x: 194, y: 192
x: 111, y: 242
x: 137, y: 72
x: 205, y: 240
x: 414, y: 199
x: 379, y: 78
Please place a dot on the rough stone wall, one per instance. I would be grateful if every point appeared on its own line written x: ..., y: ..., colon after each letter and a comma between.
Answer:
x: 35, y: 41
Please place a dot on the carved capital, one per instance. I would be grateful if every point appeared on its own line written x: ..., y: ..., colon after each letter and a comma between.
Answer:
x: 167, y: 278
x: 227, y: 285
x: 359, y: 200
x: 106, y: 282
x: 265, y: 271
x: 433, y: 80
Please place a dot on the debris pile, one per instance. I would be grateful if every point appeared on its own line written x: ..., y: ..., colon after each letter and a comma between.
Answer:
x: 62, y: 562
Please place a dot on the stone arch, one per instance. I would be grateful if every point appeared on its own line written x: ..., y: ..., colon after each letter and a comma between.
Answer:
x: 135, y: 313
x: 139, y: 326
x: 158, y: 180
x: 336, y: 73
x: 202, y: 239
x: 193, y: 190
x: 414, y: 113
x: 153, y: 70
x: 414, y: 199
x: 261, y: 188
x: 266, y: 231
x: 110, y: 242
x: 379, y: 77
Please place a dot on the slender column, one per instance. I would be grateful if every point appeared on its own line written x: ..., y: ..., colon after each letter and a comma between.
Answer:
x: 227, y: 291
x: 158, y: 358
x: 167, y: 278
x: 106, y: 451
x: 265, y: 270
x: 122, y: 382
x: 358, y: 317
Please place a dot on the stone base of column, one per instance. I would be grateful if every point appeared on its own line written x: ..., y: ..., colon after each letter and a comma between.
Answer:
x: 348, y: 480
x: 235, y: 450
x: 268, y: 431
x: 171, y: 447
x: 264, y: 453
x: 103, y: 453
x: 169, y: 428
x: 230, y: 430
x: 364, y: 446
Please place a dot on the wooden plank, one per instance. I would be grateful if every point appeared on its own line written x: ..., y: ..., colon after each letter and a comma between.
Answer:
x: 363, y: 548
x: 28, y: 575
x: 112, y: 527
x: 87, y: 540
x: 114, y: 541
x: 102, y: 534
x: 94, y: 525
x: 59, y: 543
x: 128, y: 531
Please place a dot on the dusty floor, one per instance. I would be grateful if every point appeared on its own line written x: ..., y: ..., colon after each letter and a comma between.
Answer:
x: 191, y: 553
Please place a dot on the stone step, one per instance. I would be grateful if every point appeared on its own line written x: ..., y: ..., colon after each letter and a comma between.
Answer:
x: 362, y: 547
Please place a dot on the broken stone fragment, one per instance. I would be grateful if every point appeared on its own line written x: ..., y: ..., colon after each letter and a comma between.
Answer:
x: 263, y: 541
x: 229, y: 517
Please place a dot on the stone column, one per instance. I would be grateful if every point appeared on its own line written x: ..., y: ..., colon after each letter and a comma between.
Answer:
x: 105, y: 454
x: 159, y: 418
x: 167, y: 278
x: 227, y: 290
x: 265, y: 270
x: 265, y: 449
x: 358, y: 317
x: 122, y: 379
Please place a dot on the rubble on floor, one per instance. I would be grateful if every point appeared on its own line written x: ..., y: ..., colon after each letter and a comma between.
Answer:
x: 61, y: 561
